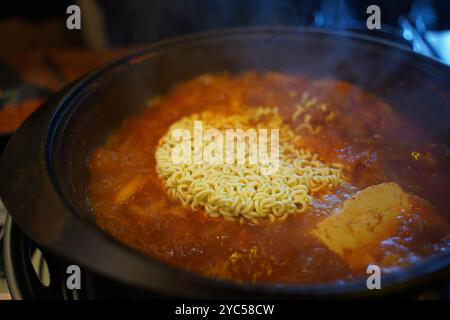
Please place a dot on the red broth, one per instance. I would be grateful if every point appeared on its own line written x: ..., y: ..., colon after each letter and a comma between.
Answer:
x: 373, y: 143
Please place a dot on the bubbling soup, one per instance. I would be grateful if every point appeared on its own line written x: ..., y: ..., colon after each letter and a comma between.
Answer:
x: 355, y: 182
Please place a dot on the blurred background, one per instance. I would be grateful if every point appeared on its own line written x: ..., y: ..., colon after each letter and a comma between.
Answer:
x: 31, y: 25
x: 39, y: 54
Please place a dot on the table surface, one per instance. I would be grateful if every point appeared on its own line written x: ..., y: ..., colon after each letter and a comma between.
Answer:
x: 53, y: 68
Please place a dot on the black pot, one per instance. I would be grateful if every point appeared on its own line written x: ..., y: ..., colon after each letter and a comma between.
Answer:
x: 4, y: 138
x: 44, y: 174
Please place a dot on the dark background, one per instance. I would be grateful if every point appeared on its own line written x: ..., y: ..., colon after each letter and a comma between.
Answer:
x: 105, y: 23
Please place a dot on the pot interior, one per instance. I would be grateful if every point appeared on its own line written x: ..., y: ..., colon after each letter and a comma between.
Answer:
x: 414, y: 87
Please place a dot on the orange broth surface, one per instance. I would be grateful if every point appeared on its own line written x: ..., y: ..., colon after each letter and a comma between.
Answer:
x: 371, y: 141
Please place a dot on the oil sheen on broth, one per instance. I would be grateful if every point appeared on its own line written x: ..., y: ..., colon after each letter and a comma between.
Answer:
x: 394, y: 180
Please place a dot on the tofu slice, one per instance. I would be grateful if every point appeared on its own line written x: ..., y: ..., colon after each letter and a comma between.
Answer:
x: 365, y: 219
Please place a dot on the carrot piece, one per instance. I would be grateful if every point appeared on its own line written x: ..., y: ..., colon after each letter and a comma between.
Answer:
x: 130, y: 189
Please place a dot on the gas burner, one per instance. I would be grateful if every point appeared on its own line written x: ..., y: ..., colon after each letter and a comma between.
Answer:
x: 34, y: 273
